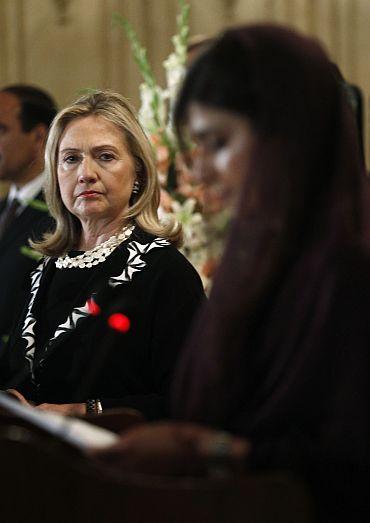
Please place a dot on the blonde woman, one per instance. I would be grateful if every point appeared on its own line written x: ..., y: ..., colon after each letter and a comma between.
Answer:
x: 112, y: 298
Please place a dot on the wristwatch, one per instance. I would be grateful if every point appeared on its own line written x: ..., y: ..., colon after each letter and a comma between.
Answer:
x: 93, y: 407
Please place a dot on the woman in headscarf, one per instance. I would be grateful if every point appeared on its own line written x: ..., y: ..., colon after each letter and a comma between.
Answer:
x: 280, y: 356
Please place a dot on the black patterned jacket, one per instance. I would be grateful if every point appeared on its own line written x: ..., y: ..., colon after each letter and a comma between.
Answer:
x: 147, y: 280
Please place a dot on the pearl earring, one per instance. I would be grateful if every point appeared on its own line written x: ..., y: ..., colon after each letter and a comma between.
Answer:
x: 136, y: 187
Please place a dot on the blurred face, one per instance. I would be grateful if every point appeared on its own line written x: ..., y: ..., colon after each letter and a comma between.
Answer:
x: 18, y: 150
x: 96, y: 171
x: 223, y: 143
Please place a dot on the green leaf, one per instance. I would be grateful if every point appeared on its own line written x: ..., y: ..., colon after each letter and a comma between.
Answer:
x: 30, y: 253
x: 38, y: 205
x: 183, y: 24
x: 87, y: 90
x: 139, y: 52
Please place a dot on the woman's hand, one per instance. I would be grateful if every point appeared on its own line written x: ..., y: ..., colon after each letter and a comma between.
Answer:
x: 174, y: 448
x: 66, y: 409
x: 18, y: 396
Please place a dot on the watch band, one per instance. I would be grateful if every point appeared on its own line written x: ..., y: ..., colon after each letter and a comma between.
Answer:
x: 93, y: 407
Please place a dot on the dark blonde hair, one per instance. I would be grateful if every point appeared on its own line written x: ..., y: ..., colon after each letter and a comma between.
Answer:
x: 113, y: 108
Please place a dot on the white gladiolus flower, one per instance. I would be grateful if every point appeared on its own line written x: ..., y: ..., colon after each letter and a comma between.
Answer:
x: 156, y: 117
x: 147, y: 113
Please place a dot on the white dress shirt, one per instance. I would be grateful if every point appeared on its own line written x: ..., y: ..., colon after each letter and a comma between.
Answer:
x: 26, y: 193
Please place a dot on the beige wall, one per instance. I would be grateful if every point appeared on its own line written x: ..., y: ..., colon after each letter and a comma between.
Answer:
x: 343, y: 26
x: 67, y: 45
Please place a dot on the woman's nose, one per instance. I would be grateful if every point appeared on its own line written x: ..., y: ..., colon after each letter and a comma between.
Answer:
x: 87, y: 170
x: 201, y: 169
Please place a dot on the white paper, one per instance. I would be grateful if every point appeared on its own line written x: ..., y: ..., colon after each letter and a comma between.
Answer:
x: 76, y: 432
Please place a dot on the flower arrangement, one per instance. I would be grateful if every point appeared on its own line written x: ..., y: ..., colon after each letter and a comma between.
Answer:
x: 157, y: 102
x: 179, y: 198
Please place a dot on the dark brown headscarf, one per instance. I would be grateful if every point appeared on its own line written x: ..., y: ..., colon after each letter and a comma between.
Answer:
x: 300, y: 219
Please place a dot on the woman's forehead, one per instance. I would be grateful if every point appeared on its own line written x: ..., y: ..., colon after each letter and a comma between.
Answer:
x: 203, y: 119
x: 91, y: 128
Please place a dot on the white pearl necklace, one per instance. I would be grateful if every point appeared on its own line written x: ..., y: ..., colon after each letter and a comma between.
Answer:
x: 96, y: 255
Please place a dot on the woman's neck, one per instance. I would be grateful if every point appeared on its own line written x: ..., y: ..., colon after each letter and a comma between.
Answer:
x: 93, y: 235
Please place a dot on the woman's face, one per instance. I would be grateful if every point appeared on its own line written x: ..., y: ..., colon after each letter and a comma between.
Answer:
x: 223, y: 143
x: 96, y: 171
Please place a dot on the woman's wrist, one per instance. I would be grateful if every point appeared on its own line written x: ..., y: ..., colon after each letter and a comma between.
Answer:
x: 93, y: 406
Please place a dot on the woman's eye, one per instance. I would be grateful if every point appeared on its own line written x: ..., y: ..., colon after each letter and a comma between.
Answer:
x: 71, y: 159
x: 208, y: 145
x: 213, y: 143
x: 106, y: 157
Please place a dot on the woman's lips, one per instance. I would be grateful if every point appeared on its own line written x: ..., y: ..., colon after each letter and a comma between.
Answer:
x: 88, y: 194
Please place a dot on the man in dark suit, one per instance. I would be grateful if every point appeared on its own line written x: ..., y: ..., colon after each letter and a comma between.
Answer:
x: 25, y: 115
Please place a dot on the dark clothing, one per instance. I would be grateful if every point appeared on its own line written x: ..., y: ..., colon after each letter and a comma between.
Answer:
x: 16, y: 267
x: 148, y: 281
x: 63, y: 288
x: 301, y: 391
x: 285, y: 340
x: 310, y: 411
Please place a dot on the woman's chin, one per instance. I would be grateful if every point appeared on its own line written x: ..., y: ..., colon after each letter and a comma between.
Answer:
x: 91, y: 210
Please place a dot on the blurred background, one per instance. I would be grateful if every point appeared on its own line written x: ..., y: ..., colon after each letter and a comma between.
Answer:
x: 65, y: 46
